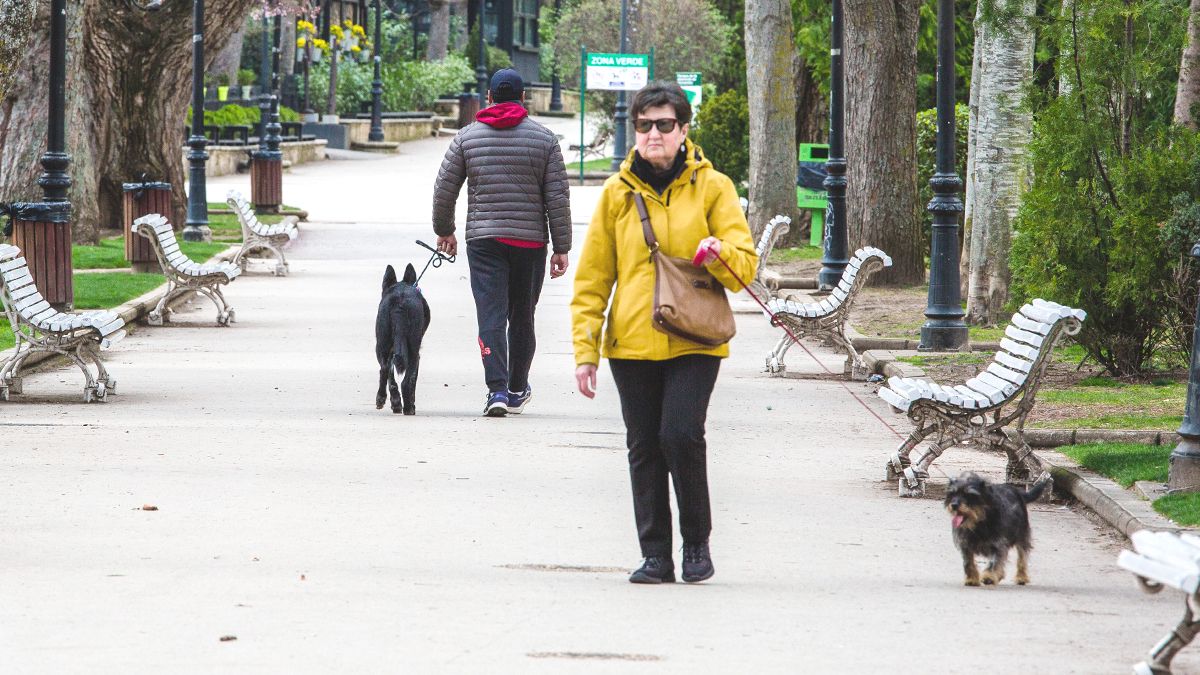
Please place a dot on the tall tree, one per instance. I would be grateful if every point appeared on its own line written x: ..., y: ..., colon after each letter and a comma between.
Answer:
x: 1187, y: 93
x: 1003, y: 128
x: 769, y: 54
x: 127, y: 95
x: 881, y: 134
x: 16, y: 25
x: 439, y: 30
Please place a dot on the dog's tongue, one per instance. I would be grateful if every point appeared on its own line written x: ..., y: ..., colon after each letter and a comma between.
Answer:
x: 956, y: 520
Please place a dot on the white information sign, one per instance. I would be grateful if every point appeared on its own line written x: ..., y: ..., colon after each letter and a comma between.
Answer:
x: 617, y: 72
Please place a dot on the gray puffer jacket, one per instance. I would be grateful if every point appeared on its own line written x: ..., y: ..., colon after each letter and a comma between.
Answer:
x: 516, y: 185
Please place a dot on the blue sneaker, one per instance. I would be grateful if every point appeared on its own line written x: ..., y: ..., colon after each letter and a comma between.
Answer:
x: 516, y: 402
x: 497, y: 404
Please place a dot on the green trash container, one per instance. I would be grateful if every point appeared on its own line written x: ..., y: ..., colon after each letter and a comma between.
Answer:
x: 810, y: 194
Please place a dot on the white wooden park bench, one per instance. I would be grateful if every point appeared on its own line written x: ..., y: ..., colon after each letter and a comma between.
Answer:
x: 184, y: 275
x: 38, y: 327
x: 765, y: 281
x: 826, y: 319
x: 981, y: 408
x: 256, y: 235
x: 1167, y: 559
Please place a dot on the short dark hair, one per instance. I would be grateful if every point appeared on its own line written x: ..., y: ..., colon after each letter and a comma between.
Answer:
x: 662, y: 92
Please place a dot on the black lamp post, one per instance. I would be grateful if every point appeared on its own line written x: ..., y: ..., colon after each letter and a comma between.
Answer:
x: 555, y: 85
x: 620, y: 120
x: 944, y: 329
x: 196, y: 228
x: 274, y: 127
x: 481, y: 75
x: 1184, y: 467
x: 376, y: 134
x: 835, y: 259
x: 264, y: 83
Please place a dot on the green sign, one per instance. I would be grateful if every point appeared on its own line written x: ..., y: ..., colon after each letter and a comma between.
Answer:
x: 617, y: 72
x: 690, y: 82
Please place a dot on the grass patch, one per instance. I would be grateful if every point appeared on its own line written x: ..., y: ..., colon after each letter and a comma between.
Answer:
x: 7, y: 339
x: 1123, y: 462
x: 985, y: 334
x: 110, y: 253
x: 1183, y: 508
x: 601, y: 164
x: 1104, y: 390
x: 960, y: 359
x: 787, y: 255
x: 107, y: 290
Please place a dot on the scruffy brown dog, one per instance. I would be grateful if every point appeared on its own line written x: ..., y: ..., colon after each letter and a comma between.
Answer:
x: 987, y: 520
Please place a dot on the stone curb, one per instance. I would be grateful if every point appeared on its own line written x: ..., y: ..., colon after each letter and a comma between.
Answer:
x: 129, y: 311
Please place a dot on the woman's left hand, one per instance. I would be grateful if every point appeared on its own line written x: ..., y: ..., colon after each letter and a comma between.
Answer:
x: 712, y: 246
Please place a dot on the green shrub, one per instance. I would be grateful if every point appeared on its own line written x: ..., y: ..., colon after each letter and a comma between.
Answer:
x: 722, y: 130
x: 496, y: 58
x: 245, y: 76
x: 407, y: 85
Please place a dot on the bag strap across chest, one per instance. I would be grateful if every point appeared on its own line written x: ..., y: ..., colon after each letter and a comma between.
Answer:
x: 647, y: 231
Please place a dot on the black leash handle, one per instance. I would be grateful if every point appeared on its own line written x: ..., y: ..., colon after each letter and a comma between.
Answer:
x: 436, y: 259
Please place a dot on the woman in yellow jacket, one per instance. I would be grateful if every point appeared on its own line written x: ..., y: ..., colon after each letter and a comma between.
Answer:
x: 664, y: 382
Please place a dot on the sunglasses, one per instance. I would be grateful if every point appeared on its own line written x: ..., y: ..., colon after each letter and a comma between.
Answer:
x: 665, y: 125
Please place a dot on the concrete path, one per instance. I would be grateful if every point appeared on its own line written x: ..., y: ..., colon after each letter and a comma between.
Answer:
x: 331, y: 537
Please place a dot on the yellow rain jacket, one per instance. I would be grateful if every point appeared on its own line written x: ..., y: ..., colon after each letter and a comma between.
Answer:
x: 699, y: 203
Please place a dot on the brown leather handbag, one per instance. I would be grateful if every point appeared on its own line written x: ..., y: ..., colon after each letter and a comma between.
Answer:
x: 689, y: 302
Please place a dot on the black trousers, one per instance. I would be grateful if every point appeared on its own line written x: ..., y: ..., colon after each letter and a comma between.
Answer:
x: 506, y: 282
x: 664, y: 404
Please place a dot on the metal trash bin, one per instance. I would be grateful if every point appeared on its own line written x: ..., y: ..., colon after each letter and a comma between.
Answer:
x: 468, y: 105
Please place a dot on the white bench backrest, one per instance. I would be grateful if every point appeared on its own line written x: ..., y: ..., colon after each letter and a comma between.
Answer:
x: 19, y: 289
x: 244, y: 211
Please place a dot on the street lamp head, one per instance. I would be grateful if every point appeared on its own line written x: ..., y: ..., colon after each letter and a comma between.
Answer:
x: 148, y: 6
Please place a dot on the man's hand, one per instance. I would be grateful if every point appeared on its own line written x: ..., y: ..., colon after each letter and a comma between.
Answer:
x: 448, y: 245
x: 558, y: 265
x: 585, y: 378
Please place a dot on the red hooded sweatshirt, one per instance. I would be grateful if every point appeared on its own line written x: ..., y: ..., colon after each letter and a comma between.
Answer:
x: 505, y: 116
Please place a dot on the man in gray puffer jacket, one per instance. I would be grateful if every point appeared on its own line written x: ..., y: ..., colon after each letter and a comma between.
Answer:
x: 517, y: 201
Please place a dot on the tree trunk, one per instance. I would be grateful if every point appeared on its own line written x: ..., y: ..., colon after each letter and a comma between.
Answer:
x: 228, y: 59
x: 287, y: 47
x: 16, y: 25
x: 459, y: 38
x: 439, y: 30
x: 127, y: 96
x: 881, y: 134
x: 1187, y: 92
x: 1003, y: 129
x: 769, y: 51
x: 812, y: 108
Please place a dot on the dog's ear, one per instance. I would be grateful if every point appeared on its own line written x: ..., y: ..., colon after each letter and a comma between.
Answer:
x: 389, y: 278
x: 410, y: 274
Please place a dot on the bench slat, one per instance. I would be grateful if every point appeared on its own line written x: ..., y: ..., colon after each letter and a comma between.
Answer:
x: 896, y: 400
x: 9, y: 265
x: 1008, y: 388
x: 1024, y: 336
x: 980, y: 400
x: 994, y: 394
x: 1010, y: 361
x: 1029, y: 325
x: 1003, y: 373
x: 1019, y: 349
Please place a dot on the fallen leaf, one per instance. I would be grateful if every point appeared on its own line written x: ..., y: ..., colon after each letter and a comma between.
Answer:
x: 149, y: 507
x: 228, y: 638
x: 301, y: 577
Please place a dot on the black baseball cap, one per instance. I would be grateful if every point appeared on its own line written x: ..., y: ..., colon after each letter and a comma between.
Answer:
x: 506, y: 85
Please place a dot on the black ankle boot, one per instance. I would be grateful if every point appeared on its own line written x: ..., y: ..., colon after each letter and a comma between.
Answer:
x: 697, y: 563
x: 656, y: 569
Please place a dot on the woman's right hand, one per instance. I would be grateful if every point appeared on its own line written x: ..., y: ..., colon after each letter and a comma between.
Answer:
x: 585, y: 378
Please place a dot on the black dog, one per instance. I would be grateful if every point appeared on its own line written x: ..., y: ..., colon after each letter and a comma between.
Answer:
x: 399, y: 328
x: 987, y: 520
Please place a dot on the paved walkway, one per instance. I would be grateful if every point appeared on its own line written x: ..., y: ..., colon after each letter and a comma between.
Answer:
x: 331, y: 537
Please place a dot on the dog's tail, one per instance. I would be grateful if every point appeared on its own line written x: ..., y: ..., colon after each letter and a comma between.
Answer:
x: 1034, y: 493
